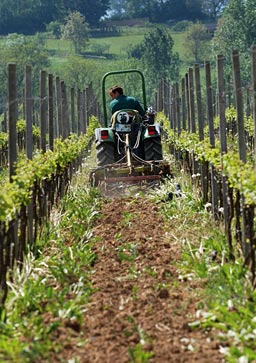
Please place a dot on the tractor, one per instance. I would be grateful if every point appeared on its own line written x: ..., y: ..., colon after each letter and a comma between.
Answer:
x: 128, y: 147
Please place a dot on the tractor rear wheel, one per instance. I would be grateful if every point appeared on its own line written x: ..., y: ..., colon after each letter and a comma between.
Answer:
x: 153, y: 149
x: 105, y: 153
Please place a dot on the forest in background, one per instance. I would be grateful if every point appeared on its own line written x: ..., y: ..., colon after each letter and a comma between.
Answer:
x: 31, y: 16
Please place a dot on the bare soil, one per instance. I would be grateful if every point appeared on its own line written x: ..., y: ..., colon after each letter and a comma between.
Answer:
x: 139, y: 298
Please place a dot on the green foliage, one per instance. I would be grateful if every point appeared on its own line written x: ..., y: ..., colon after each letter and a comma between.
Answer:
x: 76, y: 30
x: 156, y: 54
x: 42, y: 166
x: 157, y: 11
x: 213, y: 8
x: 139, y: 355
x: 27, y: 16
x: 231, y: 115
x: 237, y: 30
x: 100, y: 48
x: 54, y: 28
x: 3, y: 139
x: 196, y: 40
x: 181, y: 26
x: 241, y: 175
x: 31, y: 16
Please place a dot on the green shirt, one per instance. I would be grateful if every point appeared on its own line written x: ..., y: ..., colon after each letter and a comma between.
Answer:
x: 125, y: 102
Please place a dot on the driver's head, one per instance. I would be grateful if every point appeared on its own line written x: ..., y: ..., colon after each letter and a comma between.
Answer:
x: 115, y: 92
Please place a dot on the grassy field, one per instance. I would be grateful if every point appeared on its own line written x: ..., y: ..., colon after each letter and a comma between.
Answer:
x: 60, y: 49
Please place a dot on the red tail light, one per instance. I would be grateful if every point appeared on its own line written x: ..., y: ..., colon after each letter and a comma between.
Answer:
x: 151, y: 130
x: 104, y: 134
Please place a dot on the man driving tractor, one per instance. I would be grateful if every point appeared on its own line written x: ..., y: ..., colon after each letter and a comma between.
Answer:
x: 120, y: 101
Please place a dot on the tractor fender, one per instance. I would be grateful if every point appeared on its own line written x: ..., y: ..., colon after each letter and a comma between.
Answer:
x: 104, y: 135
x: 148, y: 135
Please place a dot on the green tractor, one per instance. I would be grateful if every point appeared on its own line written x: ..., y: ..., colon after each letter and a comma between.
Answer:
x: 129, y: 147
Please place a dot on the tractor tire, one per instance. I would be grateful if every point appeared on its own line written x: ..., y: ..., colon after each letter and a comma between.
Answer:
x: 105, y: 152
x: 153, y: 149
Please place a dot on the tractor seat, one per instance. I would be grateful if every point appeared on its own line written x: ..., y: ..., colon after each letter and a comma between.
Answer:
x: 126, y: 116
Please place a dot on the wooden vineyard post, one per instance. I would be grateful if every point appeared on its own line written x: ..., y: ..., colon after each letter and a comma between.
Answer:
x: 247, y: 221
x: 12, y: 242
x: 172, y: 107
x: 72, y: 98
x: 167, y: 110
x: 183, y: 103
x: 50, y: 111
x: 91, y: 102
x: 43, y: 111
x: 174, y: 114
x: 177, y: 107
x: 209, y: 101
x: 84, y: 111
x: 78, y: 112
x: 88, y: 105
x: 192, y: 127
x: 229, y: 90
x: 188, y: 104
x: 223, y: 148
x: 28, y: 111
x: 64, y: 110
x: 203, y: 166
x: 43, y: 197
x: 191, y: 101
x: 58, y: 102
x: 239, y: 105
x: 199, y: 103
x: 29, y: 143
x: 12, y: 115
x: 254, y: 94
x: 166, y: 98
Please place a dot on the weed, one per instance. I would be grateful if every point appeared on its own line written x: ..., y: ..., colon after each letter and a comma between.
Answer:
x: 127, y: 252
x: 150, y: 271
x: 135, y: 291
x: 127, y: 219
x: 138, y: 355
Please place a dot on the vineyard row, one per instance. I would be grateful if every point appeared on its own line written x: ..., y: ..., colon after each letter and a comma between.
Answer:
x: 219, y: 153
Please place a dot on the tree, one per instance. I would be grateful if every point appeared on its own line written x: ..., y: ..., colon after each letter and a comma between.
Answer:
x: 156, y: 54
x: 196, y: 40
x: 158, y: 10
x: 236, y: 29
x: 76, y: 30
x: 27, y: 16
x: 31, y: 16
x: 54, y: 27
x: 92, y: 10
x: 194, y: 9
x: 213, y: 8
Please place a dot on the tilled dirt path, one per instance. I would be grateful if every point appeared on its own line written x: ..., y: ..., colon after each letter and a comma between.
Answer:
x: 139, y: 303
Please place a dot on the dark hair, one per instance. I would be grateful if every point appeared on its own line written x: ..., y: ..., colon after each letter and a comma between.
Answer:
x: 116, y: 89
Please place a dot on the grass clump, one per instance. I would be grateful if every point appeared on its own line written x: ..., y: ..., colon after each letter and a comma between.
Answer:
x: 49, y: 296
